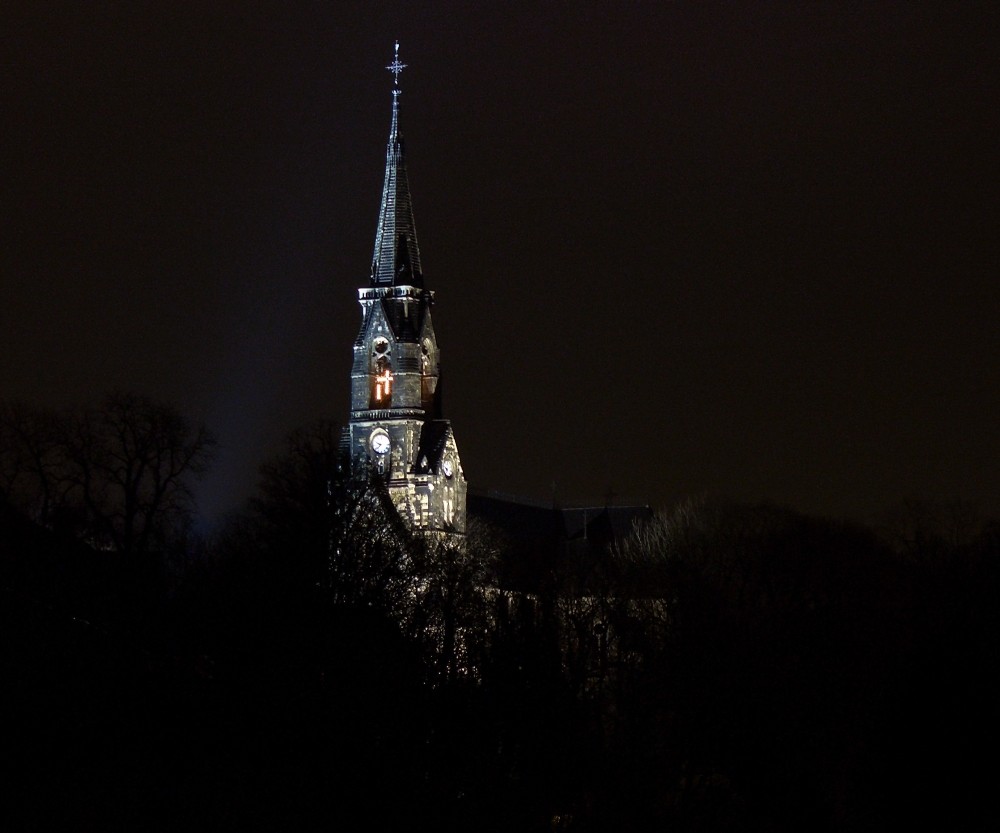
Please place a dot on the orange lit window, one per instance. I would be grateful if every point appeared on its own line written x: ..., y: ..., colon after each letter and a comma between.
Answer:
x: 383, y: 386
x: 382, y: 379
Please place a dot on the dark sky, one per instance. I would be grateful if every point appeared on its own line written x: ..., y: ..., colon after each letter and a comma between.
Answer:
x: 747, y: 249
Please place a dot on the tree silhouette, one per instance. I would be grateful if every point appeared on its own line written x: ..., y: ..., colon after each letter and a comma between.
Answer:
x: 326, y: 526
x: 33, y: 474
x: 119, y: 473
x: 453, y: 585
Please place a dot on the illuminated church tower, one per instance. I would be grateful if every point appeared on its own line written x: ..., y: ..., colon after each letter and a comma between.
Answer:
x: 395, y: 420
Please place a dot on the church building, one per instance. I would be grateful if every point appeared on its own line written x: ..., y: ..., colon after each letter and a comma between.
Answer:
x: 396, y: 426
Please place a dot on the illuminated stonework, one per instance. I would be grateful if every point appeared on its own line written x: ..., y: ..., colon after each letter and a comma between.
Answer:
x: 395, y: 422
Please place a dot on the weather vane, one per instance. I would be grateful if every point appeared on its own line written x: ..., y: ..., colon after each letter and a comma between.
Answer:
x: 396, y: 66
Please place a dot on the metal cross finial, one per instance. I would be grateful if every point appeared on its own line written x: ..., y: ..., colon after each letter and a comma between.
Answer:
x: 396, y: 66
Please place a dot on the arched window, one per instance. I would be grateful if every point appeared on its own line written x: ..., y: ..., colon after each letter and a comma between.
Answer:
x: 428, y: 381
x: 381, y: 375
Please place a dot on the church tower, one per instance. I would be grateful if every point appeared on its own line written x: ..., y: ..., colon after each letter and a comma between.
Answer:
x: 396, y: 425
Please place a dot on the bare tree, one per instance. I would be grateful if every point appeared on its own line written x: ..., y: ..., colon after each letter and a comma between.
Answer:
x: 122, y: 468
x: 32, y: 460
x: 332, y: 527
x: 323, y: 525
x: 453, y: 582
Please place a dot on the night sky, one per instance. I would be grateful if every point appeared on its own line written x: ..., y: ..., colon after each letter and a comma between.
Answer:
x: 746, y: 249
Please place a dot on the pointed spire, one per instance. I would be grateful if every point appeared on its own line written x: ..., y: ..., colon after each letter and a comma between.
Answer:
x: 396, y: 261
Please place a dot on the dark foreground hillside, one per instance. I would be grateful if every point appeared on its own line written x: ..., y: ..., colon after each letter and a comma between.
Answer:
x: 728, y: 669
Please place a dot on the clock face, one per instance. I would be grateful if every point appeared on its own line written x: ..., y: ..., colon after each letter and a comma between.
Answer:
x: 447, y: 469
x: 380, y: 442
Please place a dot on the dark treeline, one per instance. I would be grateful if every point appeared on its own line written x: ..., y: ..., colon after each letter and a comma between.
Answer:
x: 316, y: 664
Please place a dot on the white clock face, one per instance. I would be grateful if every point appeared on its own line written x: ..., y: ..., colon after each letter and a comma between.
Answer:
x: 447, y: 469
x: 380, y: 443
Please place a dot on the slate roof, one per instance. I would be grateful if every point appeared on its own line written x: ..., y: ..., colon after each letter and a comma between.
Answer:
x: 604, y: 524
x: 396, y: 261
x: 433, y: 438
x: 544, y: 541
x: 406, y: 320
